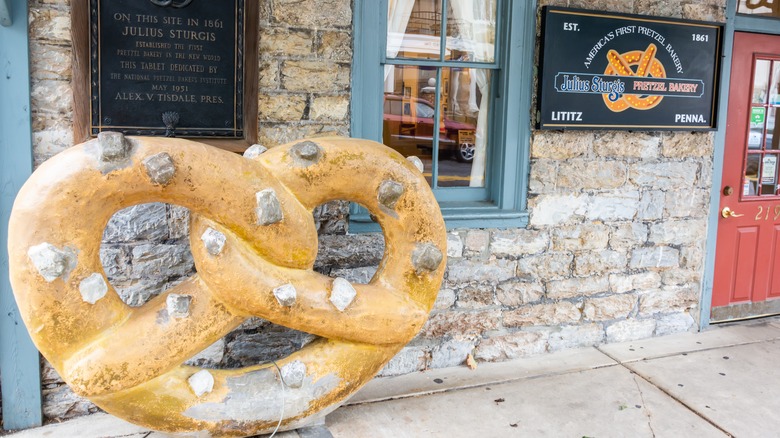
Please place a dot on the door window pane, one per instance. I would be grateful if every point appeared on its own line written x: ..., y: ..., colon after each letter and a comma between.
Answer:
x: 414, y: 29
x: 772, y: 138
x: 750, y: 182
x: 768, y: 174
x: 767, y: 8
x: 774, y: 96
x: 471, y: 30
x: 760, y: 81
x: 463, y: 138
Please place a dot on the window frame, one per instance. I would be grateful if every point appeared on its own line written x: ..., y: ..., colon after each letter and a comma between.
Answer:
x: 508, y: 163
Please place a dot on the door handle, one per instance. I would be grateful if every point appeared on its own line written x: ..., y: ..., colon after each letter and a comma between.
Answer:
x: 727, y: 213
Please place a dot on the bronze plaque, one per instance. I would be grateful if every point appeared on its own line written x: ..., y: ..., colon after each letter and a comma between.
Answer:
x: 167, y: 67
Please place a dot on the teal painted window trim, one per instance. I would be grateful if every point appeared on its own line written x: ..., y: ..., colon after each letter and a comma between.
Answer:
x: 5, y: 13
x: 19, y: 359
x: 508, y: 166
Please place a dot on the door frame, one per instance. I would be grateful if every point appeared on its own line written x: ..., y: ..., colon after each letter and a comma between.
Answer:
x: 734, y: 23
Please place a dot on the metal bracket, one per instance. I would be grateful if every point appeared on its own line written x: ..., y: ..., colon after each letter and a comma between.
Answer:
x: 5, y: 13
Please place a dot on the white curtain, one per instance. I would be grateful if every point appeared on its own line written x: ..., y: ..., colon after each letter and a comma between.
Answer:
x: 476, y: 22
x: 398, y: 13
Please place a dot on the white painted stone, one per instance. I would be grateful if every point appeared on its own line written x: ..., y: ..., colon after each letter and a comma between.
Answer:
x: 213, y: 240
x: 417, y: 163
x: 611, y: 307
x: 512, y: 346
x: 659, y: 257
x: 674, y: 323
x: 651, y: 205
x: 201, y: 382
x: 518, y: 243
x: 678, y: 232
x: 620, y: 283
x: 52, y: 262
x: 408, y: 360
x: 160, y: 168
x: 630, y: 330
x: 389, y: 193
x: 668, y: 300
x: 342, y: 294
x: 210, y: 357
x: 548, y: 266
x: 623, y: 206
x: 516, y: 293
x: 254, y: 151
x: 466, y: 270
x: 598, y: 262
x: 445, y: 299
x: 93, y: 288
x: 293, y: 374
x: 577, y: 287
x: 269, y: 210
x: 587, y: 236
x: 451, y: 353
x: 178, y: 305
x: 556, y: 209
x: 665, y: 175
x: 576, y: 336
x: 426, y: 257
x: 476, y: 242
x: 454, y: 245
x: 628, y: 235
x: 286, y: 295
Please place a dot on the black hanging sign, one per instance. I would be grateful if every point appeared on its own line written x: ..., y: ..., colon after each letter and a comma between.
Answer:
x: 614, y: 71
x: 167, y: 67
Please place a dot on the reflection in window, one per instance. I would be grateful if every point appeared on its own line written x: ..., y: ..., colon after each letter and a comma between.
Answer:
x: 767, y: 8
x: 445, y: 102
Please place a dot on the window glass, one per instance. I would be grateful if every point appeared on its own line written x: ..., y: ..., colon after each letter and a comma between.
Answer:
x: 414, y: 29
x: 751, y: 175
x: 408, y: 125
x: 760, y: 81
x: 766, y: 8
x: 774, y: 96
x: 463, y: 139
x: 471, y: 30
x: 772, y: 137
x: 445, y: 104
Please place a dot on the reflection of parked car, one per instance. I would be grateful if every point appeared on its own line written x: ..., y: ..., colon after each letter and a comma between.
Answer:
x: 408, y: 126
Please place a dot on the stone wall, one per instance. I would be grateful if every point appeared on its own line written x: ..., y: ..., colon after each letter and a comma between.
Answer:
x: 614, y: 250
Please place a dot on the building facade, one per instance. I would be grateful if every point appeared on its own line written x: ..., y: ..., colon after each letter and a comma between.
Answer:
x: 558, y: 239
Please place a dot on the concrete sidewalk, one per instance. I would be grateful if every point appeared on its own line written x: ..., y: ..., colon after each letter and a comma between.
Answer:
x: 722, y: 382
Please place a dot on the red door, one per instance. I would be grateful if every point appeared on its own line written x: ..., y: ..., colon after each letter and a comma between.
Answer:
x: 747, y: 258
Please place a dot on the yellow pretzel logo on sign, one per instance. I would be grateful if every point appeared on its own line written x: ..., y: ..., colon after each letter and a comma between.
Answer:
x: 623, y: 65
x: 254, y: 242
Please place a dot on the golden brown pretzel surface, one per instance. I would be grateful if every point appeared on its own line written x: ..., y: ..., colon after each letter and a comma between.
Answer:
x: 254, y: 242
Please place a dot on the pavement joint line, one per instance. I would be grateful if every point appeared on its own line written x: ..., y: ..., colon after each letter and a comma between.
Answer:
x: 481, y: 384
x: 672, y: 396
x: 700, y: 350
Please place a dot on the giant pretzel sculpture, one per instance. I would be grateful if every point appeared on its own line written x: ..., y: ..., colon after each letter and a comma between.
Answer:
x: 254, y: 244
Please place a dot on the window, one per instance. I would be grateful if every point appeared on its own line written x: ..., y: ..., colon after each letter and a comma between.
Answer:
x: 763, y: 146
x: 449, y: 81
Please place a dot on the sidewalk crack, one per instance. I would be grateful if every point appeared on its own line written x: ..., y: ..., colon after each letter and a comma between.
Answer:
x: 644, y: 404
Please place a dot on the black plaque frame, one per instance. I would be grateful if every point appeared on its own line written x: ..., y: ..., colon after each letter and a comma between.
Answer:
x: 99, y: 122
x: 563, y: 107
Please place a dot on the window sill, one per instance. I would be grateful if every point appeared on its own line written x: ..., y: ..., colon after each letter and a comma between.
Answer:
x: 456, y: 215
